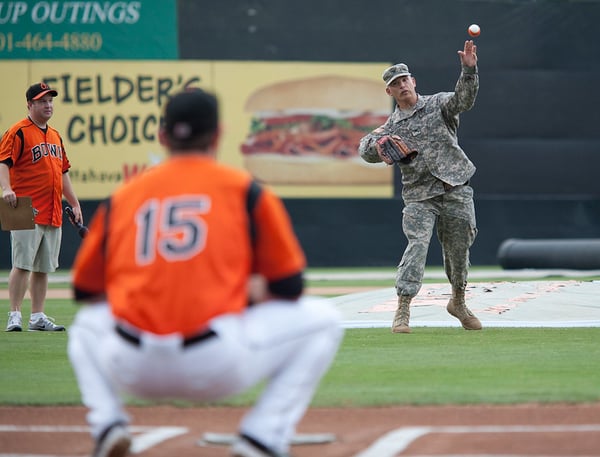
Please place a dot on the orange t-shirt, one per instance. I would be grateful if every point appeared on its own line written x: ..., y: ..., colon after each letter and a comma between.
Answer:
x: 39, y: 160
x: 175, y: 249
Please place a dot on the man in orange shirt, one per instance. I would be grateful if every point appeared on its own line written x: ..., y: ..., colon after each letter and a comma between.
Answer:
x: 34, y: 163
x: 165, y: 273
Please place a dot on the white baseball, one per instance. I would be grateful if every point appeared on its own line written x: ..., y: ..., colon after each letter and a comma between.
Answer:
x: 474, y: 30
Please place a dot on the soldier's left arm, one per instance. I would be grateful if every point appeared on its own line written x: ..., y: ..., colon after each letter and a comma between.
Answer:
x: 467, y: 85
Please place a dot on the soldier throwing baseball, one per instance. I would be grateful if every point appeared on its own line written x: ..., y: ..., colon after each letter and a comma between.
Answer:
x: 165, y: 273
x: 420, y: 137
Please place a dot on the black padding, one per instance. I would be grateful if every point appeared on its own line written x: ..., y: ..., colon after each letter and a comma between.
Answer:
x: 573, y: 254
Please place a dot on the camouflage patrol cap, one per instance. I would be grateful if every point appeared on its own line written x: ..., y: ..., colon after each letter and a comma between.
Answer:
x: 394, y: 72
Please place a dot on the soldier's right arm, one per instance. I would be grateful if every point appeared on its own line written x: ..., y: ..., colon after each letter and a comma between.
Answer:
x: 367, y: 147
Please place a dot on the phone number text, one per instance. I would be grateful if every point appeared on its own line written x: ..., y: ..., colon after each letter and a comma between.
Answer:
x: 35, y: 42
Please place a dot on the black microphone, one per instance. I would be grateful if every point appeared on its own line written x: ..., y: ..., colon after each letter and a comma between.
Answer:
x: 82, y: 230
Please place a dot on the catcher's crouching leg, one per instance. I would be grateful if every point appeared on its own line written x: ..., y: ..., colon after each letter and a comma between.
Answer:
x: 457, y: 308
x: 402, y: 316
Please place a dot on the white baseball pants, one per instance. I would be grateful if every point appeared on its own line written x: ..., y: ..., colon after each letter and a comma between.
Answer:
x: 290, y: 345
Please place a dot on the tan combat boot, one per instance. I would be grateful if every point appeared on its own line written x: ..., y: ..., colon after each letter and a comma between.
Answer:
x: 456, y: 306
x: 402, y: 315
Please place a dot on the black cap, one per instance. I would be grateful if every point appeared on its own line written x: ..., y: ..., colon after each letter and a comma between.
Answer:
x: 38, y: 90
x: 190, y: 114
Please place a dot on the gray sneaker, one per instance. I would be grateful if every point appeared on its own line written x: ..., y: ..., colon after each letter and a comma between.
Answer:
x: 115, y: 441
x: 14, y: 323
x: 45, y: 324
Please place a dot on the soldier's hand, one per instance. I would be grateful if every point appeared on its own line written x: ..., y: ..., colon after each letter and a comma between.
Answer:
x: 468, y: 56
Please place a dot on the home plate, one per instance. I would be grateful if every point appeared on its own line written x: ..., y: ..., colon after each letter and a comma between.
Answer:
x: 225, y: 439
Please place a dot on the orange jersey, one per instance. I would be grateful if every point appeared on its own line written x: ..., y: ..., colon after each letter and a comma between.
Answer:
x: 173, y: 248
x: 38, y: 160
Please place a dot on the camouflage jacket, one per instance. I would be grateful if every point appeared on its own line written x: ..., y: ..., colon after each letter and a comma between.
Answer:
x: 431, y: 128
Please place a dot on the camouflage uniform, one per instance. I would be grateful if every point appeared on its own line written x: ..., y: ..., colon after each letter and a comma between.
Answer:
x: 435, y: 184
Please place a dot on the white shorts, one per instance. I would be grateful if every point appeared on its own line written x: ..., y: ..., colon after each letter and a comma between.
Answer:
x: 37, y: 249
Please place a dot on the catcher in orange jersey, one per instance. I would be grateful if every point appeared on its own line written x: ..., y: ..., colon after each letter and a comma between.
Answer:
x: 34, y: 163
x: 171, y: 311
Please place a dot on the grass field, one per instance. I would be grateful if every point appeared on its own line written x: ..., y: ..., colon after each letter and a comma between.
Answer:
x: 373, y: 367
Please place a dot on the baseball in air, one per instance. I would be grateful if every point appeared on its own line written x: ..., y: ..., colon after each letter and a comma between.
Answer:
x: 474, y: 30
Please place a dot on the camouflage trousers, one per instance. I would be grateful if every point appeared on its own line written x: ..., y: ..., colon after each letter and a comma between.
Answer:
x: 453, y: 215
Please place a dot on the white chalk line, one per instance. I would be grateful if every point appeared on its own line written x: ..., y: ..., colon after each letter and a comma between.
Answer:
x: 144, y: 438
x: 485, y: 324
x: 389, y: 445
x: 396, y: 441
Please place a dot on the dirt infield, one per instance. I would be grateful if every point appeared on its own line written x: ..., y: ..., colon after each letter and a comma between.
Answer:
x: 524, y: 430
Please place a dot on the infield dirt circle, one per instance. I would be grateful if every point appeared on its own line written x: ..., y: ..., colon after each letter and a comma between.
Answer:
x: 524, y: 430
